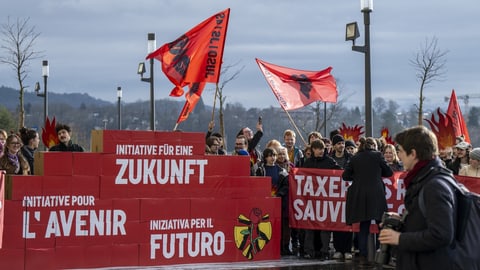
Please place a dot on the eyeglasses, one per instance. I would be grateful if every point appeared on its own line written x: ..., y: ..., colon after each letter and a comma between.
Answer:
x: 15, y: 143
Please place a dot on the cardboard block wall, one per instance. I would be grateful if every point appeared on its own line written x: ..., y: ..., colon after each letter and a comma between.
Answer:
x: 140, y: 198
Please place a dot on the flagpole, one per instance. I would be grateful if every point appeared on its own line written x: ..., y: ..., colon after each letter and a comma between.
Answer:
x: 214, y: 101
x: 175, y: 128
x: 295, y: 126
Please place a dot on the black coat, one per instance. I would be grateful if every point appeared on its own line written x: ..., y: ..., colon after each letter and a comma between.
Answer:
x: 366, y: 195
x: 323, y: 162
x: 425, y: 240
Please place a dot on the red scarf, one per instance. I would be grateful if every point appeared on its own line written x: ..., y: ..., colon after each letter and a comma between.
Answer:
x: 413, y: 172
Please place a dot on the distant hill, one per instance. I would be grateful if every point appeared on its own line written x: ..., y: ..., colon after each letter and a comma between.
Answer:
x: 9, y: 99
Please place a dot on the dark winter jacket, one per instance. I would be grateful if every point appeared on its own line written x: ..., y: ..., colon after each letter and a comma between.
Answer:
x: 425, y: 240
x: 70, y: 147
x: 366, y: 195
x: 323, y: 162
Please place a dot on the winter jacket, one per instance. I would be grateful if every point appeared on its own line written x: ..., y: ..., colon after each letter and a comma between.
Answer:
x: 366, y: 195
x: 425, y: 242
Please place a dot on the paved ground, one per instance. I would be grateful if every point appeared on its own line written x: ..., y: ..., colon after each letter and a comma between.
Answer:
x: 285, y: 263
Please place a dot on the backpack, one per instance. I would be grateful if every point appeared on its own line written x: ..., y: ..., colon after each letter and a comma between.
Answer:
x: 467, y: 232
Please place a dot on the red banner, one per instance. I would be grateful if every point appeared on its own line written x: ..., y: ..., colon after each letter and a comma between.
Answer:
x: 317, y: 197
x: 297, y: 88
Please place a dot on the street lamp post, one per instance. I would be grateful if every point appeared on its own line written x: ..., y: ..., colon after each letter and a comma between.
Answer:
x: 119, y: 96
x: 352, y: 34
x: 45, y: 73
x: 141, y: 70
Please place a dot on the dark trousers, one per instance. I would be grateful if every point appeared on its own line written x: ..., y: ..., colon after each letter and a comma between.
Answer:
x: 342, y: 241
x: 363, y: 237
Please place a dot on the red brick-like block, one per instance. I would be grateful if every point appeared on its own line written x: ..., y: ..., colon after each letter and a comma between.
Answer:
x: 40, y: 258
x: 57, y: 185
x: 86, y: 185
x: 87, y: 164
x: 12, y: 259
x: 125, y: 255
x: 53, y: 163
x: 68, y: 257
x: 26, y: 186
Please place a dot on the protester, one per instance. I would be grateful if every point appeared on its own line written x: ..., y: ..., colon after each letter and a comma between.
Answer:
x: 213, y: 144
x: 295, y: 154
x: 391, y: 157
x: 279, y: 178
x: 12, y: 161
x: 314, y: 135
x: 342, y: 241
x: 30, y: 140
x: 253, y: 141
x: 221, y: 148
x: 366, y: 199
x: 425, y: 240
x: 351, y: 147
x: 319, y: 160
x: 473, y: 168
x: 461, y: 159
x: 3, y: 139
x: 64, y: 136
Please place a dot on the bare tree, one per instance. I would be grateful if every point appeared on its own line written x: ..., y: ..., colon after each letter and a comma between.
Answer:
x: 222, y: 98
x: 18, y: 41
x: 429, y: 64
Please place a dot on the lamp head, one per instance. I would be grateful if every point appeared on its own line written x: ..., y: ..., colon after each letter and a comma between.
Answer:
x: 366, y: 5
x: 351, y: 31
x: 141, y: 68
x: 37, y: 87
x: 119, y: 92
x: 45, y: 69
x: 152, y: 44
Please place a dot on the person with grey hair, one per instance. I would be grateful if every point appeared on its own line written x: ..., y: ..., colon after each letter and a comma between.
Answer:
x: 473, y: 168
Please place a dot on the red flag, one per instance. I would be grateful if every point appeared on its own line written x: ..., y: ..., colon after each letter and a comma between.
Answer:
x: 297, y: 88
x: 455, y: 113
x: 197, y: 55
x: 192, y: 98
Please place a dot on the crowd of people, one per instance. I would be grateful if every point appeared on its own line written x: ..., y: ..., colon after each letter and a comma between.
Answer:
x: 364, y: 163
x: 17, y: 149
x: 427, y: 238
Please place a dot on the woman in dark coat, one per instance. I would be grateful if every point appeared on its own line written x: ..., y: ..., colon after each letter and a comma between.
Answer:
x: 366, y: 199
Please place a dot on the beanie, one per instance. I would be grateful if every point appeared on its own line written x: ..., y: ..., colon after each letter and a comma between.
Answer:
x: 242, y: 152
x: 350, y: 143
x: 337, y: 138
x: 475, y: 153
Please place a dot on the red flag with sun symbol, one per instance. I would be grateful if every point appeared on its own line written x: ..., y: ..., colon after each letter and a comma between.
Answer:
x: 351, y: 133
x: 49, y: 134
x: 443, y: 129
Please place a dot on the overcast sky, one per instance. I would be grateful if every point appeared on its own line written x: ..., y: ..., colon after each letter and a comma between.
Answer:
x: 93, y: 46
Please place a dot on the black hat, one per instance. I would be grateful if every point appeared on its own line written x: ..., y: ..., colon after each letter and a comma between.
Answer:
x: 337, y: 138
x: 350, y: 143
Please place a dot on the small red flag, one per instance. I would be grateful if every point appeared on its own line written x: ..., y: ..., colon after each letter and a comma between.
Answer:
x: 192, y: 98
x: 196, y: 56
x: 297, y: 88
x: 459, y: 125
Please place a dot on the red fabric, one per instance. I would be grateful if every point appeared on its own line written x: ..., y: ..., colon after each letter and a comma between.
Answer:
x: 197, y: 55
x: 455, y: 113
x: 297, y: 88
x: 413, y: 172
x: 192, y: 98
